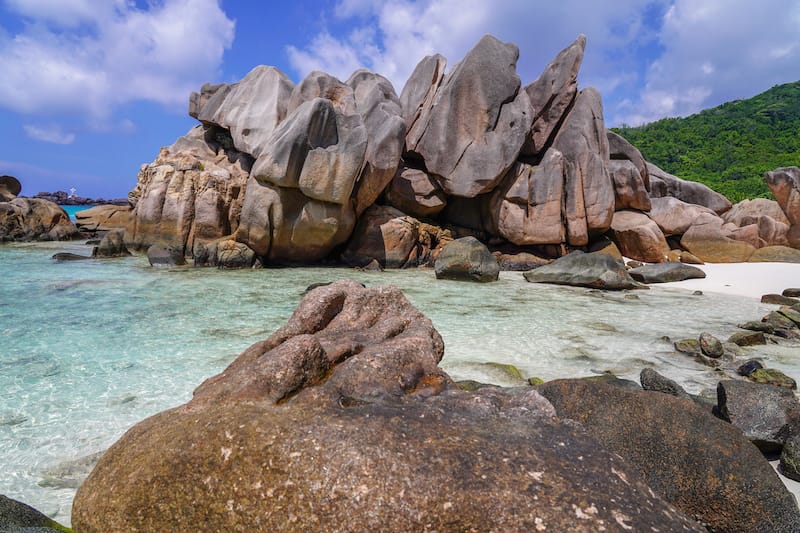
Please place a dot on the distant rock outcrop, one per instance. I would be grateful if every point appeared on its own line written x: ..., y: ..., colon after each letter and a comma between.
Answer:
x: 293, y: 172
x: 31, y: 219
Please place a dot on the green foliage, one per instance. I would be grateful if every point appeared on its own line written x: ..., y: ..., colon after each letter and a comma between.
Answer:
x: 728, y: 147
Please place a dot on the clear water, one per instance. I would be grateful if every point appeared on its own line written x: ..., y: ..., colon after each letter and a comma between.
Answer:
x: 90, y: 348
x: 72, y: 209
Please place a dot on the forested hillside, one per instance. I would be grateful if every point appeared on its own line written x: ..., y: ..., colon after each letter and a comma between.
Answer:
x: 728, y: 147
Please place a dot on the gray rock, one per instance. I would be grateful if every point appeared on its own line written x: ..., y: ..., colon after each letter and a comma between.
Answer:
x: 588, y: 189
x: 698, y: 463
x: 250, y: 109
x: 765, y: 414
x: 790, y: 458
x: 112, y: 245
x: 413, y: 192
x: 380, y: 111
x: 418, y: 95
x: 552, y: 94
x: 62, y: 257
x: 321, y: 85
x: 17, y: 516
x: 749, y: 366
x: 344, y: 417
x: 165, y: 256
x: 666, y: 272
x: 652, y: 380
x: 466, y: 259
x: 479, y: 121
x: 791, y: 292
x: 595, y: 270
x: 711, y: 346
x: 747, y: 338
x: 665, y: 184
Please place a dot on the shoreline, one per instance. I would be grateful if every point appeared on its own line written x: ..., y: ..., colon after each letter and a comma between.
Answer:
x: 751, y: 280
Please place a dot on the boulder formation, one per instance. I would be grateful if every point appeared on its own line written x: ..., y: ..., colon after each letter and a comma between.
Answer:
x: 296, y: 172
x: 343, y: 417
x: 31, y: 219
x: 785, y: 185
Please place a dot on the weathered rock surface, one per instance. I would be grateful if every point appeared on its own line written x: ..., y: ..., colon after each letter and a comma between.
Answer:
x: 653, y: 381
x: 225, y: 253
x: 771, y: 254
x: 790, y: 458
x: 588, y: 189
x: 765, y: 414
x: 620, y: 149
x: 413, y: 192
x: 629, y: 188
x: 165, y: 256
x: 418, y: 95
x: 343, y: 417
x: 479, y: 121
x: 700, y: 464
x: 675, y: 216
x: 394, y: 239
x: 31, y: 219
x: 638, y: 237
x: 104, y: 218
x: 710, y: 240
x: 10, y: 187
x: 596, y: 270
x: 552, y: 93
x: 112, y: 245
x: 665, y: 184
x: 710, y: 345
x: 785, y: 185
x: 466, y: 259
x: 750, y: 211
x: 665, y: 272
x: 17, y: 517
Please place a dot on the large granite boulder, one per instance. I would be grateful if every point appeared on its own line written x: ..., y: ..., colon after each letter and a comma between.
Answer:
x: 665, y: 184
x: 380, y: 111
x: 479, y: 121
x: 418, y: 96
x: 104, y: 218
x: 785, y: 185
x: 638, y: 237
x: 528, y: 207
x: 34, y: 219
x: 112, y: 245
x: 619, y: 149
x: 225, y: 253
x: 588, y: 189
x: 191, y: 193
x: 666, y: 272
x: 342, y: 418
x: 10, y: 187
x: 767, y: 415
x: 394, y: 240
x: 675, y: 216
x: 552, y: 93
x: 700, y: 464
x: 751, y: 211
x: 630, y: 191
x: 710, y: 240
x: 775, y: 254
x: 466, y: 259
x: 596, y: 270
x: 413, y: 192
x: 250, y: 109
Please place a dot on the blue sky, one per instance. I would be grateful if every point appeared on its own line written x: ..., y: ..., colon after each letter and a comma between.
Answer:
x: 91, y: 89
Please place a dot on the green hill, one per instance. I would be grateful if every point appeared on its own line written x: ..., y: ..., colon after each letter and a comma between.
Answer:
x: 728, y: 147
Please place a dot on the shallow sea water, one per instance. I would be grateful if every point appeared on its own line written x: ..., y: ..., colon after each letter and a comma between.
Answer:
x: 89, y: 348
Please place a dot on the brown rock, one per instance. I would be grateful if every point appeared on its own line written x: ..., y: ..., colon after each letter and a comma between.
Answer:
x: 674, y: 216
x: 34, y: 219
x: 413, y: 192
x: 10, y: 187
x: 418, y: 95
x: 665, y: 184
x: 638, y: 237
x: 552, y: 94
x: 343, y: 417
x: 785, y: 185
x: 776, y: 254
x: 629, y: 188
x: 104, y: 218
x: 708, y: 240
x: 700, y: 464
x: 778, y: 299
x: 750, y: 211
x: 620, y: 149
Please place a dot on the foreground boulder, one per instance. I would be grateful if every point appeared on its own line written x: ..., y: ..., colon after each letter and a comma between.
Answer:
x: 466, y: 259
x: 342, y: 418
x: 595, y: 270
x: 638, y: 237
x: 700, y: 464
x: 111, y: 245
x: 31, y: 219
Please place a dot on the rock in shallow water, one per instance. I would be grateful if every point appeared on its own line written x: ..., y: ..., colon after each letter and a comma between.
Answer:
x: 466, y: 259
x: 595, y: 270
x: 342, y: 418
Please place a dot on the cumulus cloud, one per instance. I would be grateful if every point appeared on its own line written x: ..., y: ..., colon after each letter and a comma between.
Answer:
x: 51, y: 134
x: 86, y: 58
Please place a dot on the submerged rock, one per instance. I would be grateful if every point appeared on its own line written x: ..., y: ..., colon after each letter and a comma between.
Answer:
x: 159, y: 255
x: 342, y: 416
x: 112, y: 245
x: 595, y: 270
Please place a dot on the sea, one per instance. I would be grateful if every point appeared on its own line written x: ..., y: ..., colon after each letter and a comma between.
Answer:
x: 72, y: 209
x: 89, y: 348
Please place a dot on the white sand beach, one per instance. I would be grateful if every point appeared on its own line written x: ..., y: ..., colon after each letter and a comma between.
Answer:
x: 744, y: 279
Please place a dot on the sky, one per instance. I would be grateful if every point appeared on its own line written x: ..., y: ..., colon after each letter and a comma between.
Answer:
x: 91, y: 89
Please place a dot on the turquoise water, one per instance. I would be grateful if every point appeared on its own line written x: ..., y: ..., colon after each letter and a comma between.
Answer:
x: 72, y: 209
x: 90, y: 348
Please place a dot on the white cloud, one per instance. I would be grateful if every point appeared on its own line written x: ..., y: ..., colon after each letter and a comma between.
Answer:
x: 51, y: 133
x: 85, y: 58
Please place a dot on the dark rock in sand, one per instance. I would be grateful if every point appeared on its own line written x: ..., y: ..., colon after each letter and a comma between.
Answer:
x: 778, y: 299
x: 790, y: 458
x: 792, y: 293
x: 700, y: 464
x: 595, y: 270
x: 665, y: 272
x: 342, y: 418
x: 765, y: 414
x: 62, y: 257
x: 748, y: 367
x: 772, y: 376
x: 748, y: 338
x: 19, y: 517
x: 791, y: 313
x: 710, y: 346
x: 778, y: 320
x: 466, y: 259
x: 159, y: 255
x: 112, y: 245
x: 755, y: 325
x: 611, y: 379
x: 690, y: 346
x: 652, y: 380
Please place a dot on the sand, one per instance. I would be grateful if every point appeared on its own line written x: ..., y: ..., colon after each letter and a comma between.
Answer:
x: 744, y: 279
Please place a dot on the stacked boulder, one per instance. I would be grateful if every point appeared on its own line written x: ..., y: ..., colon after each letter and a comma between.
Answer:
x: 327, y: 170
x: 28, y: 219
